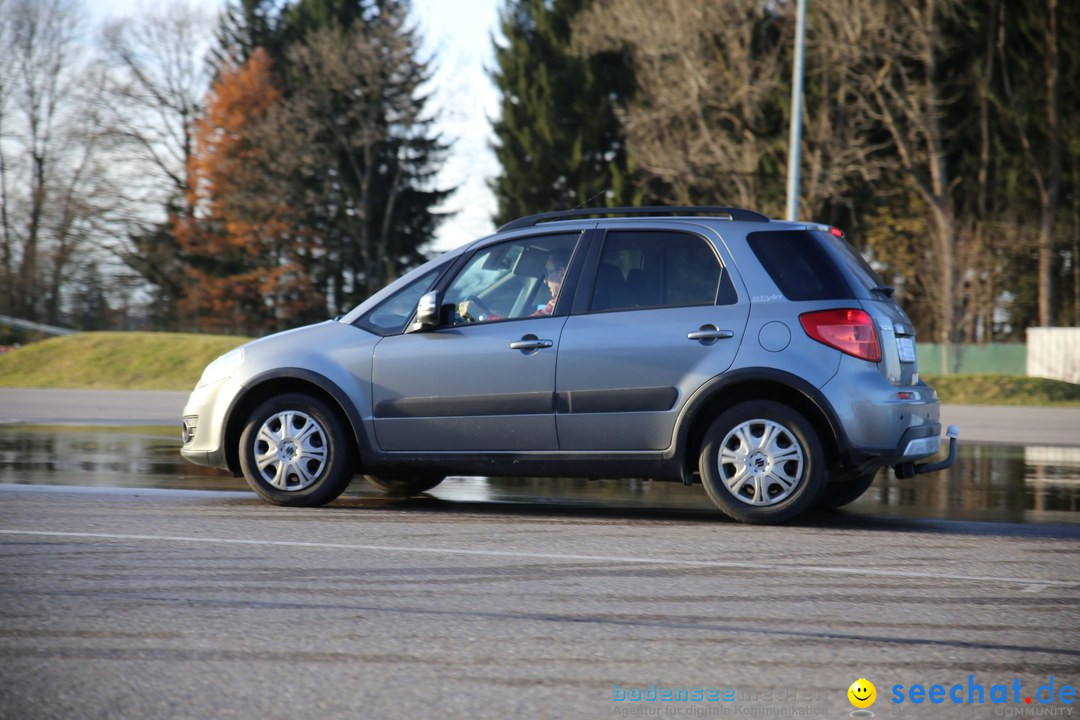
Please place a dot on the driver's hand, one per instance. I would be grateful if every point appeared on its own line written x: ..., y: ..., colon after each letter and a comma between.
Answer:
x: 469, y: 311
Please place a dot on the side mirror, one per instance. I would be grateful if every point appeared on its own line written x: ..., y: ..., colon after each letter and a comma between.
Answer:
x: 427, y: 312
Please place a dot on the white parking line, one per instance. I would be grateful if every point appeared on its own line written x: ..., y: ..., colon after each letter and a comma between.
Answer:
x: 1032, y: 584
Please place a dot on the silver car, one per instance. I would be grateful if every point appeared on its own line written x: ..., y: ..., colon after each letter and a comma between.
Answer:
x: 764, y: 359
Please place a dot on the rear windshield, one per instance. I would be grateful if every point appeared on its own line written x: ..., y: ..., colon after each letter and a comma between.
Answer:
x: 858, y: 268
x: 801, y: 264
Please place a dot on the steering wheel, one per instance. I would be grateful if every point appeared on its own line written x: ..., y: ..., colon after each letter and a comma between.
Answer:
x: 478, y: 305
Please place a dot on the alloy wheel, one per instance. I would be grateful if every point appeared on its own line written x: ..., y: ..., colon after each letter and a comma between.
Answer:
x: 290, y: 450
x: 761, y: 462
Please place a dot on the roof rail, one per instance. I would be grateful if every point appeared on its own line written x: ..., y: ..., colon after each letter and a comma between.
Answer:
x: 725, y: 212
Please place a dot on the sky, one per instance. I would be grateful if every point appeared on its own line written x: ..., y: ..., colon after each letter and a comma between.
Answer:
x: 457, y: 35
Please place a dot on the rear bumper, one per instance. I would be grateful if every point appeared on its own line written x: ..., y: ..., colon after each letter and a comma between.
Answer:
x: 905, y: 470
x: 917, y: 443
x: 880, y: 423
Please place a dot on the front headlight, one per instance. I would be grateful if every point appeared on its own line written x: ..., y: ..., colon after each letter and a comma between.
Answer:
x: 222, y: 368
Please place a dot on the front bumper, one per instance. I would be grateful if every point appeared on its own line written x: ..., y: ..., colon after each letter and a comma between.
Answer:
x: 206, y: 458
x: 204, y: 419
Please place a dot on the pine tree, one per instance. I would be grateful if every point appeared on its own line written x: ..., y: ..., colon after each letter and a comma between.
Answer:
x: 558, y: 139
x: 244, y: 26
x: 353, y: 136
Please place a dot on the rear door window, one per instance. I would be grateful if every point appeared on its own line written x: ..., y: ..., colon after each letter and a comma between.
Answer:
x: 655, y: 269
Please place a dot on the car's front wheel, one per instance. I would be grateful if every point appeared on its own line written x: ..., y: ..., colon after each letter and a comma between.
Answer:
x: 762, y: 462
x: 294, y: 451
x: 403, y: 486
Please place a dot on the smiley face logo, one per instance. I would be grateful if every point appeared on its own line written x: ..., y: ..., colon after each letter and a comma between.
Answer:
x: 862, y: 693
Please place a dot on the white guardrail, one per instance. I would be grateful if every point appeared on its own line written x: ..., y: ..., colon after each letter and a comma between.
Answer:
x: 35, y: 327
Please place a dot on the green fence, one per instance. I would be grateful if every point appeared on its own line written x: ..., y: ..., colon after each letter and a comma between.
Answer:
x: 1001, y: 358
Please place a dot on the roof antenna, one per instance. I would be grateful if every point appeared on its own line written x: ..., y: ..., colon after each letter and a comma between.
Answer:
x: 602, y: 192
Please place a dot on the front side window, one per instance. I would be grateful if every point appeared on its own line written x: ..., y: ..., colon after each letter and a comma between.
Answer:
x: 651, y: 269
x: 517, y: 279
x: 391, y: 315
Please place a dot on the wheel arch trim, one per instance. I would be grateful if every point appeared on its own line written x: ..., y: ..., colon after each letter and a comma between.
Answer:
x: 707, y: 393
x: 252, y: 393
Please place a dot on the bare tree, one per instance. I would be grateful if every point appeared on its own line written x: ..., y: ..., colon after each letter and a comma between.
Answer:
x: 7, y: 237
x: 44, y: 154
x: 701, y: 123
x: 84, y: 211
x: 901, y: 90
x: 841, y: 148
x: 708, y: 118
x: 1041, y: 136
x: 156, y: 82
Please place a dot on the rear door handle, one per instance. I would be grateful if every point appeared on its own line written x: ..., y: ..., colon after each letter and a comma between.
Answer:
x: 530, y: 342
x: 710, y: 332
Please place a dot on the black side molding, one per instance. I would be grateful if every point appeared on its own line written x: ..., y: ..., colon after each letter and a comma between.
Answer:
x: 534, y: 403
x: 652, y: 399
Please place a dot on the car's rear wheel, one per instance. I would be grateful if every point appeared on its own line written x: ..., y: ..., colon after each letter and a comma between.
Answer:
x: 762, y: 462
x: 845, y: 491
x: 294, y: 451
x: 403, y: 487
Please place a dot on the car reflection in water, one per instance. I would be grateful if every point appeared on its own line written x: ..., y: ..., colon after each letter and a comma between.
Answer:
x: 990, y: 483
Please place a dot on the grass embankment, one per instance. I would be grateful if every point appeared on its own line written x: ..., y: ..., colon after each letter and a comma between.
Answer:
x: 991, y: 389
x: 114, y: 360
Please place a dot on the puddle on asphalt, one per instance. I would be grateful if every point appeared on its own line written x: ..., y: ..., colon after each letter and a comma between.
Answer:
x: 990, y: 483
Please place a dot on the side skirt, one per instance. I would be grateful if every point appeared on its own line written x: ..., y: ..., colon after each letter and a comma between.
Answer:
x: 576, y: 465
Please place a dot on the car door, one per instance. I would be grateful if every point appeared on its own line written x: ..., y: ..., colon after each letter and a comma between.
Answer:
x: 661, y: 318
x: 484, y: 382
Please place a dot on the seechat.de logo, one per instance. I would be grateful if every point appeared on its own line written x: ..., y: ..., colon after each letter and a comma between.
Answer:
x: 862, y: 695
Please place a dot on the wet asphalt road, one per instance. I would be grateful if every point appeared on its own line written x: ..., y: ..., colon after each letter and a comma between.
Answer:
x: 133, y: 603
x: 151, y: 604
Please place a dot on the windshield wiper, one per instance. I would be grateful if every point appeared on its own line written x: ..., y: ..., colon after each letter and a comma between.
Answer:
x: 884, y: 290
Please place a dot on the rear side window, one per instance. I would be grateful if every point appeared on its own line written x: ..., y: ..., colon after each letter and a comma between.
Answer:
x: 799, y: 265
x: 650, y: 269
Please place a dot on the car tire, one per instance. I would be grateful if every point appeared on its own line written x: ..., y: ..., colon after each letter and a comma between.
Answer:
x: 845, y: 491
x: 294, y: 451
x: 403, y: 487
x: 762, y: 462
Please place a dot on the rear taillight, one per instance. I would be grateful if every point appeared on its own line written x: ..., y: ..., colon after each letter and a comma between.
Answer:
x: 849, y: 331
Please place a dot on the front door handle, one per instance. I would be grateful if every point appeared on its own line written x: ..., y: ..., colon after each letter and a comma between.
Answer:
x: 530, y: 342
x: 709, y: 334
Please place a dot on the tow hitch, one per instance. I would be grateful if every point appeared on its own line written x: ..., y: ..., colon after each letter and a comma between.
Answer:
x: 905, y: 471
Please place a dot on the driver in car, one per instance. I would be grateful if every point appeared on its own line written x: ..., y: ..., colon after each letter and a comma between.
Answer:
x: 554, y: 270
